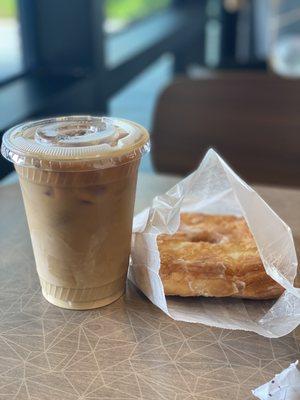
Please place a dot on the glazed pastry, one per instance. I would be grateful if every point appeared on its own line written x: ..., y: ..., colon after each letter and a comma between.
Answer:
x: 214, y: 256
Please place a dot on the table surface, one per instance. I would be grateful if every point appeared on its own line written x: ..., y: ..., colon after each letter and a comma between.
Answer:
x: 129, y: 349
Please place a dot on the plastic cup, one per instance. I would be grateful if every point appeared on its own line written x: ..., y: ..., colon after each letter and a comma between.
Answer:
x: 78, y: 179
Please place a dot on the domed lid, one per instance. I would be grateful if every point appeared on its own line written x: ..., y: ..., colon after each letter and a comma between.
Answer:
x: 75, y: 142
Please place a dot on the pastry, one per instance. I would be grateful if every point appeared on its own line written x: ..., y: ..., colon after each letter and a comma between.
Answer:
x: 214, y: 255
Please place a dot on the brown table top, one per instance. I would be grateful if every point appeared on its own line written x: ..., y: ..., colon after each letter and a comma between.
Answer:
x: 130, y: 349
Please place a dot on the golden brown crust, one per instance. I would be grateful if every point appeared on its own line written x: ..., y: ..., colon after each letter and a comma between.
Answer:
x: 214, y: 255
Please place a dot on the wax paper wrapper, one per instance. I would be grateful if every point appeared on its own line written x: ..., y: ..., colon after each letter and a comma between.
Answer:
x: 284, y: 386
x: 215, y: 188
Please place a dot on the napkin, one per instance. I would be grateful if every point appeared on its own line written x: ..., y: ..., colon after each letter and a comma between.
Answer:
x: 215, y: 188
x: 284, y: 386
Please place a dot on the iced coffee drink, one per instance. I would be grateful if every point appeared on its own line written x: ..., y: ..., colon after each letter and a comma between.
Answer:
x: 78, y: 178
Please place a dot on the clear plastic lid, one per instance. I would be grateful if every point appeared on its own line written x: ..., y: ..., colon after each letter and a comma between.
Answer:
x: 75, y: 142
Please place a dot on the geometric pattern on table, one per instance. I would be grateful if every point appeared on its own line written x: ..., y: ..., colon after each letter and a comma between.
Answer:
x: 127, y: 350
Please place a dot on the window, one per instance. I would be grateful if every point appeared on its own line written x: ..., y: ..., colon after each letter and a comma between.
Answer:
x: 10, y: 44
x: 119, y: 13
x: 56, y: 69
x: 121, y: 44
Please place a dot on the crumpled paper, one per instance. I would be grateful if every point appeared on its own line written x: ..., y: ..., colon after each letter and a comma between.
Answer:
x: 284, y: 386
x: 215, y: 188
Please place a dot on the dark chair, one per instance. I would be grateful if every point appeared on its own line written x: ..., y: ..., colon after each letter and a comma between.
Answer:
x: 251, y: 119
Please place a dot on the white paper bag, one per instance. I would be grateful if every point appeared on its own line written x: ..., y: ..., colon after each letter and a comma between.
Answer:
x: 284, y: 386
x: 215, y: 188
